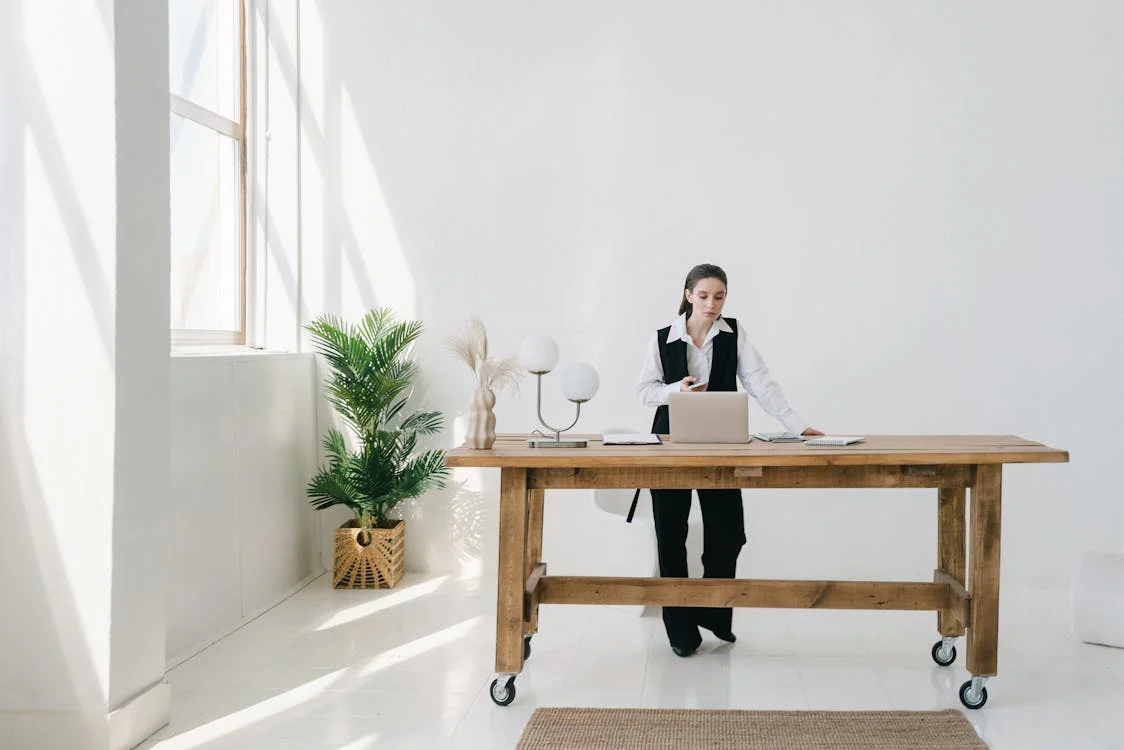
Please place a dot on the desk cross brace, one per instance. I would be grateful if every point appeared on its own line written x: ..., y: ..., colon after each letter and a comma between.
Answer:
x: 945, y: 594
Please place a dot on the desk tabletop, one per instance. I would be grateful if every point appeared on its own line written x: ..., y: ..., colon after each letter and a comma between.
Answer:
x: 511, y: 450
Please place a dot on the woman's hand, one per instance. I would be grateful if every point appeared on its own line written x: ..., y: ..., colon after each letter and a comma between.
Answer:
x: 812, y: 432
x: 686, y: 385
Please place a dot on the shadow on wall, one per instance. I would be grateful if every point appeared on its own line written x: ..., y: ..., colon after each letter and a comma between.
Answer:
x: 53, y: 668
x: 347, y: 204
x: 455, y: 520
x: 458, y: 518
x: 45, y: 618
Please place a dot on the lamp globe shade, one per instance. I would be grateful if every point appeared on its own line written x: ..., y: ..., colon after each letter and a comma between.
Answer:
x: 580, y: 382
x: 538, y: 354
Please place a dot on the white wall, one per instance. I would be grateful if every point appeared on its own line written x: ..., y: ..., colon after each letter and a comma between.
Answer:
x: 83, y: 372
x: 243, y: 447
x: 52, y: 540
x: 141, y: 507
x: 917, y: 204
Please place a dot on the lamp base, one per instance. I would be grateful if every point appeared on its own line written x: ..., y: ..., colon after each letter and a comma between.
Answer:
x: 552, y: 443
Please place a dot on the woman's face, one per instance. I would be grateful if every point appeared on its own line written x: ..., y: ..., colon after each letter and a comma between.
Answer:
x: 707, y: 299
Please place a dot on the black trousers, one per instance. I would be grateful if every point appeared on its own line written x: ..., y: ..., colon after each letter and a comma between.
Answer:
x: 723, y: 538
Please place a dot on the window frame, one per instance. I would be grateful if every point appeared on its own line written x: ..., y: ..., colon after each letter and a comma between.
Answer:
x: 236, y: 131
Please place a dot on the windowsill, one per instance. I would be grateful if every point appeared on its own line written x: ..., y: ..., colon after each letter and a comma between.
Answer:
x: 229, y: 351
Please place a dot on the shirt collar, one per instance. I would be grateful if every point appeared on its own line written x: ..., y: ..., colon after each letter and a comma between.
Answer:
x: 679, y: 329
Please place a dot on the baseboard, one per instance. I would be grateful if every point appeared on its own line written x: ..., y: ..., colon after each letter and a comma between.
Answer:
x: 50, y: 730
x: 206, y: 643
x: 140, y: 717
x: 124, y: 728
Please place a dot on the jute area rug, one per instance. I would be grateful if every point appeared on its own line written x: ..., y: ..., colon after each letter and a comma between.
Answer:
x: 683, y: 729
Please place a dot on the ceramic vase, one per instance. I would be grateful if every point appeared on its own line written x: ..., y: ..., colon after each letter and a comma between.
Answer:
x: 481, y: 420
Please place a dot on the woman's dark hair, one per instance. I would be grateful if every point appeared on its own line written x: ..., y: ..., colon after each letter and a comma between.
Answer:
x: 697, y: 274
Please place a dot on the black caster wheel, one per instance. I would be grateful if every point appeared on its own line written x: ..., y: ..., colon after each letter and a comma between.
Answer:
x: 971, y: 698
x: 526, y: 647
x: 503, y: 693
x: 942, y: 657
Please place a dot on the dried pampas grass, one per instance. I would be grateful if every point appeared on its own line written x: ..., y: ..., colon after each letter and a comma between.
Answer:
x: 470, y: 345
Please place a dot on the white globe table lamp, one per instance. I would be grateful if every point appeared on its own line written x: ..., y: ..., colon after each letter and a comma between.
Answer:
x: 539, y: 355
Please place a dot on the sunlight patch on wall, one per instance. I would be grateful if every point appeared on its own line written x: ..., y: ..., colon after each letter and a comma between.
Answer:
x: 69, y: 450
x: 373, y: 253
x: 75, y: 94
x: 460, y: 429
x: 313, y: 168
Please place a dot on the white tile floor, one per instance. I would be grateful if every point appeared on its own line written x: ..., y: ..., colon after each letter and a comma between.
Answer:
x: 409, y: 668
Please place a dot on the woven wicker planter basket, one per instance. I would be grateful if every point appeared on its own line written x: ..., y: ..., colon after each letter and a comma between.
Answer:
x: 369, y: 558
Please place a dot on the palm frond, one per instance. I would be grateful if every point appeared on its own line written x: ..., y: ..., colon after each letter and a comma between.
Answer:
x: 393, y: 411
x: 375, y: 324
x: 404, y: 447
x: 372, y: 469
x: 332, y: 486
x: 401, y: 370
x: 423, y: 422
x: 335, y: 446
x: 334, y: 339
x: 392, y: 344
x: 422, y: 473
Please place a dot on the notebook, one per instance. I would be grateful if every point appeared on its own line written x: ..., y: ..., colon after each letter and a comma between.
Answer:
x: 629, y: 439
x: 778, y: 437
x: 709, y: 417
x: 834, y: 440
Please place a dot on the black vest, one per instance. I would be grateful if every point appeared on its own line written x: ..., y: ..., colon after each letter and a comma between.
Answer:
x: 723, y: 366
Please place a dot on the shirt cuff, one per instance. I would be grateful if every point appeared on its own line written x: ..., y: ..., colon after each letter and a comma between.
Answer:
x: 793, y: 423
x: 669, y: 389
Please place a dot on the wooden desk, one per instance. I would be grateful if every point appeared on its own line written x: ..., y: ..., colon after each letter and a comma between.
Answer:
x: 965, y: 587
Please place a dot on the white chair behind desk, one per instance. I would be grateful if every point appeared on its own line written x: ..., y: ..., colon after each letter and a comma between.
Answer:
x: 617, y: 502
x: 1098, y: 599
x: 637, y: 540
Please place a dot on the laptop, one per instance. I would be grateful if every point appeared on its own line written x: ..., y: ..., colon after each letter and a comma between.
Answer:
x: 709, y: 417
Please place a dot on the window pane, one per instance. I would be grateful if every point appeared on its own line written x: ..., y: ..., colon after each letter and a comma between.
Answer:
x: 206, y: 229
x: 205, y: 52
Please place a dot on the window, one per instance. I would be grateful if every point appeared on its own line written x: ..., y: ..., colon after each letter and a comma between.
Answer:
x: 207, y: 78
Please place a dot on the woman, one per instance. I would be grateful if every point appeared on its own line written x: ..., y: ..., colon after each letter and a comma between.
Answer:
x: 702, y: 346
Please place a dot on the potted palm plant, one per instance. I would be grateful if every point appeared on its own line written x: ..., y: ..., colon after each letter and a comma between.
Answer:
x: 369, y: 385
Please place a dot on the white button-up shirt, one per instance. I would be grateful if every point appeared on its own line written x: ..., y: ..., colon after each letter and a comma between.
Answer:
x: 752, y: 372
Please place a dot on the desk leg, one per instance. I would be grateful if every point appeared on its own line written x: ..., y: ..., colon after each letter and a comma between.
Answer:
x: 534, y: 548
x: 983, y: 570
x: 951, y: 550
x: 512, y: 557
